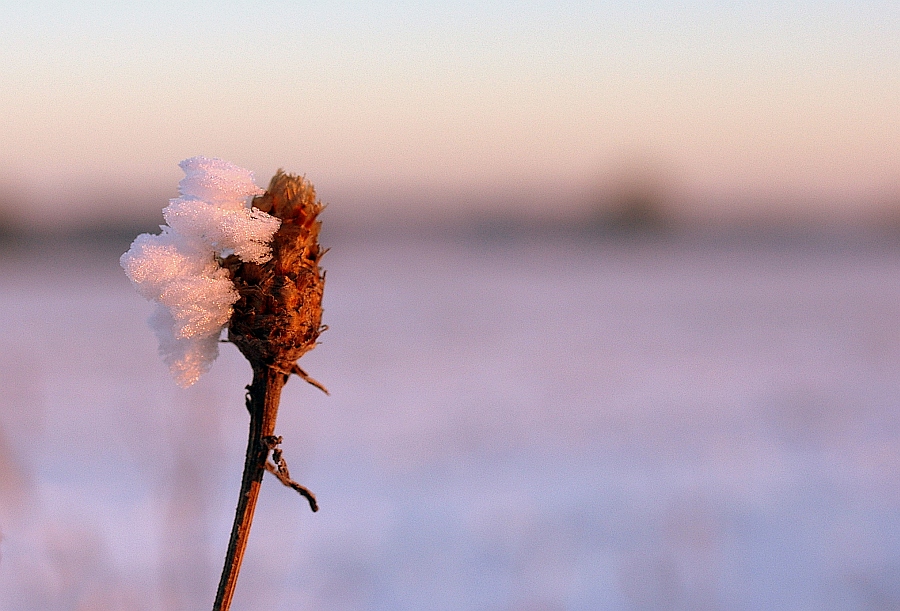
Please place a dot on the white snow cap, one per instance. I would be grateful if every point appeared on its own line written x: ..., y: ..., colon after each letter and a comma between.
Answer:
x: 179, y: 268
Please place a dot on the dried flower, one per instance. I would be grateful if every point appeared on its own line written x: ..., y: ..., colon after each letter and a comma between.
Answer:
x: 277, y: 318
x: 279, y: 314
x: 255, y: 268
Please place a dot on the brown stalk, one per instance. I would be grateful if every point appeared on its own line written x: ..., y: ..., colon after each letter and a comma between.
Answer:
x: 276, y: 320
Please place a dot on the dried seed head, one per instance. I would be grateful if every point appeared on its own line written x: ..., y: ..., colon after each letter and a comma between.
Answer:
x: 278, y: 316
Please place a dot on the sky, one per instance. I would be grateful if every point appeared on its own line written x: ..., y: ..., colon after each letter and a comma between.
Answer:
x: 447, y: 107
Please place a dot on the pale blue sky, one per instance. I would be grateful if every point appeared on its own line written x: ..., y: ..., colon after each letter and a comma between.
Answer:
x: 389, y: 104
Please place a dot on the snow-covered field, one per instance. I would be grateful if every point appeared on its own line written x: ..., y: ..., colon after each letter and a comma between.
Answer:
x: 515, y: 424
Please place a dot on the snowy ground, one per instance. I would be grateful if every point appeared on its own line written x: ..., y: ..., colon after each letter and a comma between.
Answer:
x: 516, y: 424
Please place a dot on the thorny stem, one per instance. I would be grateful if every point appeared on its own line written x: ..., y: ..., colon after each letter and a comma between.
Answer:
x: 263, y: 396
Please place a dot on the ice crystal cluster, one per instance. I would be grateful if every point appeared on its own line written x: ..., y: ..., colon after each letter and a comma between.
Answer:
x: 180, y: 269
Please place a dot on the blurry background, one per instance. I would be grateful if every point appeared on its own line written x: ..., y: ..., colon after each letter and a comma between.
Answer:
x: 613, y: 299
x: 441, y: 109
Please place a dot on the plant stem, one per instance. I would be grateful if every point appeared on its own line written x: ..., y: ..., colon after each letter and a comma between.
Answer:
x: 263, y: 396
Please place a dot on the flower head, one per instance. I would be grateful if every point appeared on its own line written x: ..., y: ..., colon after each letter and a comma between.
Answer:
x: 278, y: 317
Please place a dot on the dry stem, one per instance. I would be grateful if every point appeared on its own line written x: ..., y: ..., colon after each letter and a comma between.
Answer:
x: 263, y: 396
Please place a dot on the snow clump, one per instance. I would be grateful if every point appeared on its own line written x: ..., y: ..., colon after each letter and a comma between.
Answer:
x: 180, y: 268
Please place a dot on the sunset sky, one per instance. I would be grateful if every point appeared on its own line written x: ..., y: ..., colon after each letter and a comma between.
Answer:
x: 433, y: 106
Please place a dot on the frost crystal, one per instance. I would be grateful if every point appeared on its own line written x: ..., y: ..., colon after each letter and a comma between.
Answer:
x: 180, y: 270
